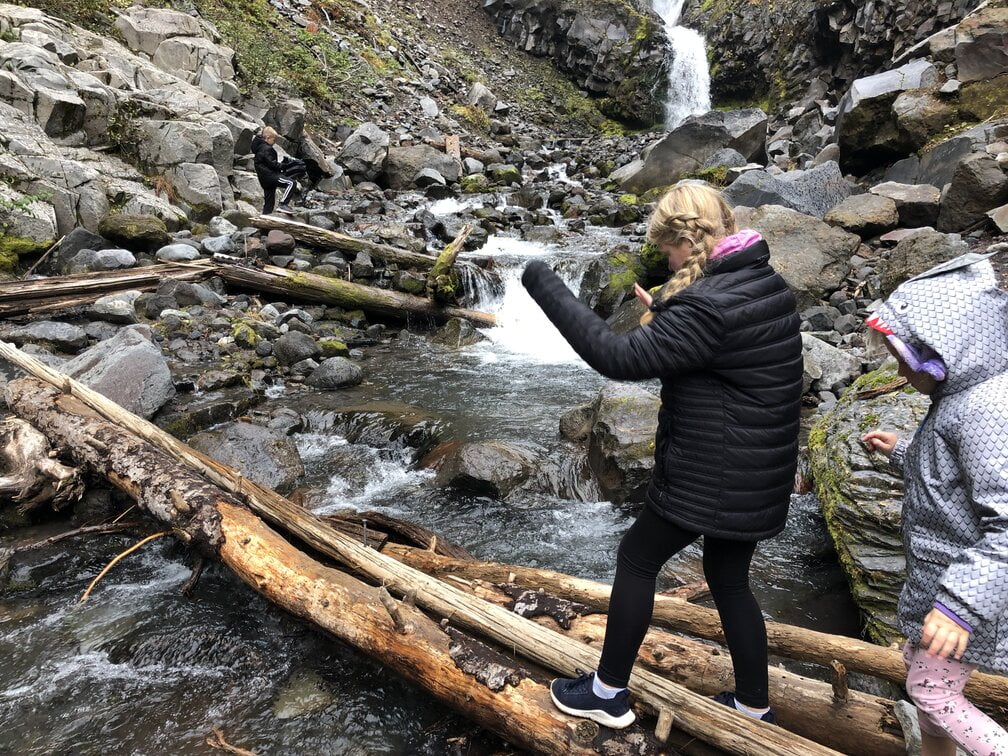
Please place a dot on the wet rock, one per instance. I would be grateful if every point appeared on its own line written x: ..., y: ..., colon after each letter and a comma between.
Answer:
x: 812, y: 192
x: 302, y: 695
x: 262, y: 455
x: 458, y: 333
x: 189, y: 414
x: 916, y: 204
x: 128, y: 369
x: 866, y: 215
x: 53, y: 334
x: 212, y: 380
x: 294, y: 346
x: 486, y: 468
x: 280, y: 243
x: 335, y: 373
x: 917, y: 253
x: 378, y: 424
x: 862, y: 496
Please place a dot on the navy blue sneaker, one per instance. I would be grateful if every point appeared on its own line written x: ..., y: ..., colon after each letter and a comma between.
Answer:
x: 575, y: 697
x: 728, y: 699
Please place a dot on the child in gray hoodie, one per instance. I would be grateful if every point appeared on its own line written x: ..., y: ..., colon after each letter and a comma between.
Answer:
x: 948, y: 329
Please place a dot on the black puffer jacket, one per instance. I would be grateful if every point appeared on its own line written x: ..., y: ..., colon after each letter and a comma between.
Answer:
x: 729, y: 355
x: 267, y: 167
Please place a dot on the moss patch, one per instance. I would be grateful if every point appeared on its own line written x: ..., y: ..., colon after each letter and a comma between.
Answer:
x: 12, y: 247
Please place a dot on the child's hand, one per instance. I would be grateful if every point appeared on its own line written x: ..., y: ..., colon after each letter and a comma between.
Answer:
x: 641, y: 293
x: 942, y: 635
x: 880, y: 441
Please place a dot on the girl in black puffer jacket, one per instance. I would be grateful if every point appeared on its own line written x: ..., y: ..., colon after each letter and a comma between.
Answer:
x: 722, y: 335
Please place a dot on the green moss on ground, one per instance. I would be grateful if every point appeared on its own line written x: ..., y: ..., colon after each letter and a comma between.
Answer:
x: 13, y: 247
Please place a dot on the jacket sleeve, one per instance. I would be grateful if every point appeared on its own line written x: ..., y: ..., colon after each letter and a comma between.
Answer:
x: 267, y: 156
x: 975, y: 585
x: 898, y: 454
x: 681, y: 338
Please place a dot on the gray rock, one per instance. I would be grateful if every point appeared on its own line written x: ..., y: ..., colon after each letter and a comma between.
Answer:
x: 177, y: 252
x: 219, y: 226
x: 727, y: 157
x: 78, y: 239
x: 429, y: 177
x: 128, y: 369
x: 89, y: 260
x: 981, y: 45
x: 62, y: 336
x: 835, y: 365
x: 917, y: 253
x: 480, y: 96
x: 472, y: 166
x: 335, y: 373
x: 916, y: 204
x: 219, y: 244
x: 294, y: 346
x: 265, y: 456
x: 144, y: 29
x: 866, y: 215
x: 362, y: 267
x: 811, y: 192
x: 404, y: 163
x: 486, y: 468
x: 364, y: 152
x: 116, y: 308
x: 429, y: 107
x: 978, y: 185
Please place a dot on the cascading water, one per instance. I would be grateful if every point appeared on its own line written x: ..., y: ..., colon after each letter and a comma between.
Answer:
x: 689, y: 74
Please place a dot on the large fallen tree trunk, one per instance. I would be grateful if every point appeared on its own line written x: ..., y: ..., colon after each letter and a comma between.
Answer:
x: 320, y: 237
x: 677, y: 614
x: 675, y: 705
x: 29, y: 477
x: 58, y: 293
x: 309, y: 287
x: 482, y: 684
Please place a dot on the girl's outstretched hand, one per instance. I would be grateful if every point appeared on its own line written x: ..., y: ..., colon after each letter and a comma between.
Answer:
x: 641, y: 293
x: 943, y: 636
x: 880, y: 441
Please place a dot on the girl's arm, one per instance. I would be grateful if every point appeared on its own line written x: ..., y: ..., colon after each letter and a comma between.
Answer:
x: 975, y: 585
x: 681, y: 338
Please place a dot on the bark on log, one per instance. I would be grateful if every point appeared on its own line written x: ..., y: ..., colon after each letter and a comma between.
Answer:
x: 309, y: 287
x: 694, y: 714
x: 414, y: 534
x: 29, y: 478
x: 58, y: 293
x: 443, y: 280
x: 676, y: 614
x: 320, y: 237
x: 506, y: 700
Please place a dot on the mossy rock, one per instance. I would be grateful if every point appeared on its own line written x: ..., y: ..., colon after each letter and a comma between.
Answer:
x: 475, y: 184
x: 135, y: 231
x: 13, y: 247
x: 333, y: 348
x: 985, y: 100
x: 245, y: 336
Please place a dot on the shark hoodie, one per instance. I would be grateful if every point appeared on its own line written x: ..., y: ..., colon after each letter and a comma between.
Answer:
x: 955, y: 510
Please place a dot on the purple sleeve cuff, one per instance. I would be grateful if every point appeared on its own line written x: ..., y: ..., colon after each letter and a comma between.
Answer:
x: 953, y: 616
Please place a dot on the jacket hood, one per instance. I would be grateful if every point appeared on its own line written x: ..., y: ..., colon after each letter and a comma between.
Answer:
x: 256, y: 141
x: 957, y: 310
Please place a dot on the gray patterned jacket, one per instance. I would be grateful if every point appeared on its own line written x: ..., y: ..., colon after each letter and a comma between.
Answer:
x: 955, y: 510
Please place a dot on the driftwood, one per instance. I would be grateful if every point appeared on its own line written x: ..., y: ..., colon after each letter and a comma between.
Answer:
x: 493, y: 692
x: 320, y: 237
x: 62, y: 292
x: 413, y: 534
x: 675, y: 614
x: 309, y: 287
x: 29, y: 477
x: 692, y: 713
x: 443, y: 281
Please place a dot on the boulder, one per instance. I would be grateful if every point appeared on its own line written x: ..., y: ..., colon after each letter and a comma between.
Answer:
x: 811, y: 192
x: 621, y: 440
x: 921, y: 114
x: 812, y: 256
x: 199, y: 187
x: 29, y: 225
x: 335, y: 373
x: 480, y: 96
x: 484, y: 468
x: 265, y: 456
x: 144, y: 29
x: 457, y: 333
x: 115, y: 308
x: 866, y: 128
x: 78, y: 239
x: 128, y: 368
x: 978, y: 185
x: 51, y: 334
x: 917, y: 253
x: 364, y: 152
x: 685, y: 149
x: 288, y: 118
x: 832, y: 365
x: 861, y: 495
x: 916, y: 204
x: 866, y: 215
x: 404, y: 163
x: 143, y: 232
x: 294, y: 346
x: 60, y: 112
x: 90, y: 260
x: 177, y: 253
x: 197, y: 61
x: 981, y: 45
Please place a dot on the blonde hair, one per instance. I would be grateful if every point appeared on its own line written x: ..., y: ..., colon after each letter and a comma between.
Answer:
x: 269, y: 131
x: 695, y: 213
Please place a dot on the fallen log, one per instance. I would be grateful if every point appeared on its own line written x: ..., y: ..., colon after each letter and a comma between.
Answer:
x: 674, y: 704
x: 443, y: 280
x: 29, y: 477
x: 309, y: 287
x: 320, y: 237
x: 62, y: 292
x: 485, y: 686
x: 677, y: 614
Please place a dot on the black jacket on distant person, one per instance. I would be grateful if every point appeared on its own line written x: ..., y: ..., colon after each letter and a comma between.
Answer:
x: 267, y: 166
x: 729, y: 355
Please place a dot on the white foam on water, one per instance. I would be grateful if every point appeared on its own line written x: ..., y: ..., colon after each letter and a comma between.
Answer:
x: 689, y: 71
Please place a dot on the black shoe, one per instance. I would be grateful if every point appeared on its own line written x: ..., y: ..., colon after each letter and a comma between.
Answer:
x: 728, y: 699
x: 575, y: 697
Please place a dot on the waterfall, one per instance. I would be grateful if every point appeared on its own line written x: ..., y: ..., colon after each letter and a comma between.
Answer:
x: 689, y: 75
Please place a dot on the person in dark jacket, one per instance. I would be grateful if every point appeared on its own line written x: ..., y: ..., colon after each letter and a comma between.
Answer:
x: 267, y: 168
x: 723, y: 337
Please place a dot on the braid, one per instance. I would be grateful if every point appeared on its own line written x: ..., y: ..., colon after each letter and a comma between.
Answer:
x: 680, y: 227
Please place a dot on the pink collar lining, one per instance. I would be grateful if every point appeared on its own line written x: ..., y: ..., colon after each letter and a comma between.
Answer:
x: 734, y: 243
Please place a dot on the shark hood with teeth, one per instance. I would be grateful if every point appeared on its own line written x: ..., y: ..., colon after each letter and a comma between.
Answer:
x: 956, y: 311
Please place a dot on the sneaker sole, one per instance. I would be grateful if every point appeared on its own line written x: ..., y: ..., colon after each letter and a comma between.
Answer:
x: 597, y: 715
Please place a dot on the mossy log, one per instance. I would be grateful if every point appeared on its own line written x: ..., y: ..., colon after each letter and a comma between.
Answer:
x: 443, y: 281
x: 324, y: 239
x: 470, y: 677
x: 676, y: 614
x: 58, y: 293
x: 309, y: 287
x: 675, y: 705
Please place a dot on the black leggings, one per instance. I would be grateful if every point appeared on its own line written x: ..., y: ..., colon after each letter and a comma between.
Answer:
x: 652, y: 541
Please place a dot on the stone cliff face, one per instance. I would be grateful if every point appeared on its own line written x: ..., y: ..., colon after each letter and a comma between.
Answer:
x: 774, y: 49
x: 614, y: 49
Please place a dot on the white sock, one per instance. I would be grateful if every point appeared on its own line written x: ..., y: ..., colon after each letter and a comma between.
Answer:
x: 754, y: 713
x: 602, y: 690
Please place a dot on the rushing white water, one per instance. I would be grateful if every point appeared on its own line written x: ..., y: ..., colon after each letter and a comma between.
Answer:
x: 689, y: 73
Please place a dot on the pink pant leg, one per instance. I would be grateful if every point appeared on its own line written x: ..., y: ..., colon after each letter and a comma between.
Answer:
x: 936, y: 687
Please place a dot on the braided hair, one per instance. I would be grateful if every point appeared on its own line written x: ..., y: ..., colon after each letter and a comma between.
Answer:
x: 694, y: 213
